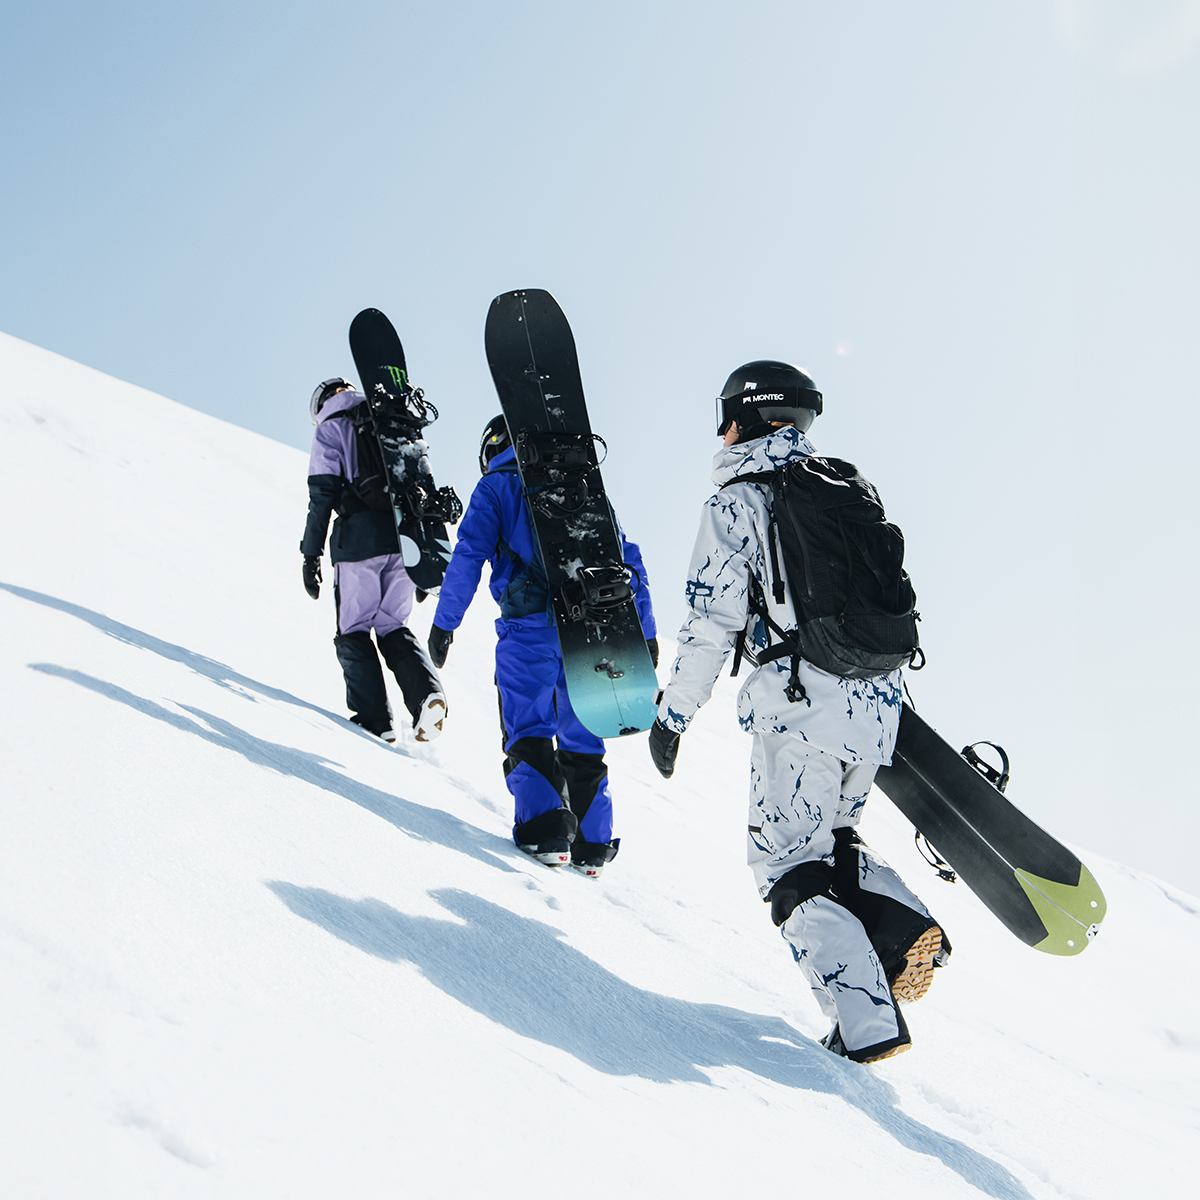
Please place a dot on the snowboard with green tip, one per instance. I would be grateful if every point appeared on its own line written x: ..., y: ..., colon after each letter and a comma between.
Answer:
x: 1032, y: 882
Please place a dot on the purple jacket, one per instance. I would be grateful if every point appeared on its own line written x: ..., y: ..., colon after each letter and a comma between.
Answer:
x: 359, y: 532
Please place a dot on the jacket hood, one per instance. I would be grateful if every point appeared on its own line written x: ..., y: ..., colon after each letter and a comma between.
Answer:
x: 508, y: 454
x: 339, y: 403
x: 761, y: 455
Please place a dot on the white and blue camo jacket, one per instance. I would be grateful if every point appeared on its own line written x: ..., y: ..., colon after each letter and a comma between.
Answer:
x: 854, y: 719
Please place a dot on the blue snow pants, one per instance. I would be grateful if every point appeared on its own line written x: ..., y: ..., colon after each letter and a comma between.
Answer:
x: 535, y: 710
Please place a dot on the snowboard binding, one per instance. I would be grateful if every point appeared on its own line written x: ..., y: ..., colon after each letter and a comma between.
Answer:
x: 406, y: 408
x: 397, y: 419
x: 421, y: 503
x: 555, y: 467
x: 925, y: 849
x: 595, y: 595
x: 998, y: 778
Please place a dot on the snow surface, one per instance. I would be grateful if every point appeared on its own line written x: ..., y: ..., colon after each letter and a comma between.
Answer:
x: 248, y: 951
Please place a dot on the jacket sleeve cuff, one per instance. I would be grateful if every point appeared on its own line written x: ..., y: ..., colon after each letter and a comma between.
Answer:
x: 672, y: 717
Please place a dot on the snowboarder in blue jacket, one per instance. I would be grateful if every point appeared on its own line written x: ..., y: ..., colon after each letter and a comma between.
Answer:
x: 563, y: 807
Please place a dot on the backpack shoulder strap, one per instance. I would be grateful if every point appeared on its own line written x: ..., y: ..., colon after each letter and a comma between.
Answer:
x: 763, y: 478
x: 358, y: 415
x: 786, y: 647
x: 352, y: 500
x: 768, y: 480
x: 502, y: 547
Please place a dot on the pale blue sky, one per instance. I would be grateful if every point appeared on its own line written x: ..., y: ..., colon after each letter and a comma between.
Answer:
x: 974, y: 224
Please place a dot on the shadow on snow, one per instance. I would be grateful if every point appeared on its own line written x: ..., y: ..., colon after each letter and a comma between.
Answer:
x: 514, y: 970
x: 219, y: 673
x: 519, y: 972
x: 416, y: 820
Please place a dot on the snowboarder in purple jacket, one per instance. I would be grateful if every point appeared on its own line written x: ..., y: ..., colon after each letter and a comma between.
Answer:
x: 563, y: 808
x: 371, y: 589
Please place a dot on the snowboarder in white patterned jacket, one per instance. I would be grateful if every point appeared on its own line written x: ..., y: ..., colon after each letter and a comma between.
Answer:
x: 861, y: 937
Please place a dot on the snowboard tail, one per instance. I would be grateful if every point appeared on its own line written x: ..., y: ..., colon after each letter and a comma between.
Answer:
x: 395, y: 414
x: 610, y: 678
x: 1030, y: 881
x: 531, y: 353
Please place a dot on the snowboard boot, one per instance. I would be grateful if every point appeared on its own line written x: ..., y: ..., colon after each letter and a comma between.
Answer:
x: 832, y: 1042
x: 908, y: 942
x: 589, y: 858
x: 942, y: 957
x: 428, y: 724
x: 409, y: 662
x: 916, y: 973
x: 548, y: 836
x: 384, y: 735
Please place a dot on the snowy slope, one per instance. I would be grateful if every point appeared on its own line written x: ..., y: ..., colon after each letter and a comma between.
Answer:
x: 248, y: 951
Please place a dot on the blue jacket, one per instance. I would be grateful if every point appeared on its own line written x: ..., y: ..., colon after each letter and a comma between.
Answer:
x: 496, y: 529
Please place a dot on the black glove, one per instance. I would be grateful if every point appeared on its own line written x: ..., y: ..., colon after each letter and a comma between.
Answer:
x: 439, y: 645
x: 664, y: 745
x: 652, y: 646
x: 312, y: 575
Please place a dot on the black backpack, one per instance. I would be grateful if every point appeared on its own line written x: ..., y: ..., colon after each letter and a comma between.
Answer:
x: 370, y: 484
x: 854, y: 603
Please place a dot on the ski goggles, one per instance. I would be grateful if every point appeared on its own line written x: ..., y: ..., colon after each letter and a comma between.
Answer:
x: 791, y: 405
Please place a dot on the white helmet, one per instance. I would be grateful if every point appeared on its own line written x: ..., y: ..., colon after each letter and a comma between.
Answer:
x: 324, y: 390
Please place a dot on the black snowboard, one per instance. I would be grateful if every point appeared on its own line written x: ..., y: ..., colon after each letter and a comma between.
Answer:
x: 1034, y: 884
x: 531, y: 353
x: 396, y: 413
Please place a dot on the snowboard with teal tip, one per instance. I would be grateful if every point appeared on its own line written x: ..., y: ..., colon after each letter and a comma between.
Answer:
x: 531, y: 353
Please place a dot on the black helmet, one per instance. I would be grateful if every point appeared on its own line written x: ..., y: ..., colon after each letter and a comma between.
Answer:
x: 495, y: 438
x: 324, y: 390
x: 764, y: 391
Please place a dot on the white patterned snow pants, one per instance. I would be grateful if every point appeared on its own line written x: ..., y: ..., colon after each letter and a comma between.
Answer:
x: 798, y: 797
